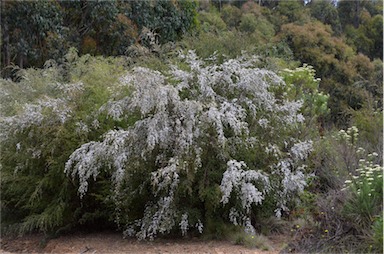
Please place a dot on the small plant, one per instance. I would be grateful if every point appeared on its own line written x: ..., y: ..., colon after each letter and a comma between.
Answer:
x: 366, y: 188
x: 251, y: 240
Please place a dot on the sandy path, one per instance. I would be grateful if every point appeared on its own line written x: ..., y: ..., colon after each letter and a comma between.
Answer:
x: 114, y: 243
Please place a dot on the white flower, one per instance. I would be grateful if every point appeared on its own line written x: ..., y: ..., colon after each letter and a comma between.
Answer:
x: 239, y: 180
x: 18, y: 147
x: 184, y: 224
x: 263, y: 122
x: 300, y: 151
x: 199, y: 226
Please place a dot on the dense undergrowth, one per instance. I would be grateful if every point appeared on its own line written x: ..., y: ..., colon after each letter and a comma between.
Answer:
x: 257, y: 121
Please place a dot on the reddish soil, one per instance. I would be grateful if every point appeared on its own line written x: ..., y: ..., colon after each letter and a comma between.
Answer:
x: 107, y: 242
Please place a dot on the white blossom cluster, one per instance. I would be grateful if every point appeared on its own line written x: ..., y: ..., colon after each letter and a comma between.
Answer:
x: 238, y: 218
x: 349, y: 136
x: 25, y: 127
x: 166, y: 177
x: 301, y: 150
x: 47, y: 109
x: 51, y: 108
x: 236, y: 179
x: 178, y: 119
x: 184, y: 224
x: 368, y: 174
x: 292, y: 182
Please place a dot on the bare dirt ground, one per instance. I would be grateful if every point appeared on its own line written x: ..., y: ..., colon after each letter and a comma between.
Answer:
x: 107, y: 242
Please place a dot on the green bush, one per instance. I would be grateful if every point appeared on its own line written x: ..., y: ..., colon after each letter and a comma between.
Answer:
x: 231, y: 15
x: 211, y: 22
x: 48, y: 119
x: 248, y: 23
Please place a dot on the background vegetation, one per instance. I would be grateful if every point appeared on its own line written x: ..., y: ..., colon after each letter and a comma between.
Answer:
x: 71, y: 72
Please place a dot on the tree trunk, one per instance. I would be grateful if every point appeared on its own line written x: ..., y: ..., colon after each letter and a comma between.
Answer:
x: 357, y: 14
x: 6, y: 57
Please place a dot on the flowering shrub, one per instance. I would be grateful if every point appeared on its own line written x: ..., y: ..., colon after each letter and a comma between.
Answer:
x: 194, y: 121
x: 161, y: 152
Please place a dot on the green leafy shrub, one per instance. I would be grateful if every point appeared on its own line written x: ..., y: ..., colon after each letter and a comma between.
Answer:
x: 211, y: 22
x: 248, y: 23
x: 231, y: 32
x: 303, y: 84
x: 44, y: 122
x: 231, y: 15
x: 369, y: 121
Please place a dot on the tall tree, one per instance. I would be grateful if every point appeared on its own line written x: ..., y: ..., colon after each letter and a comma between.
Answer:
x: 169, y: 19
x: 335, y: 63
x: 292, y: 11
x: 326, y: 12
x: 26, y: 28
x: 349, y: 12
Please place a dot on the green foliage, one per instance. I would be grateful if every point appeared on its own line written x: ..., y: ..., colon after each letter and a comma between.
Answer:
x: 35, y: 32
x: 368, y: 37
x: 248, y: 23
x: 36, y: 194
x: 326, y: 12
x: 370, y: 124
x: 170, y: 19
x: 231, y: 15
x: 258, y: 27
x: 350, y: 12
x: 292, y: 11
x: 27, y: 28
x: 337, y: 66
x: 58, y: 110
x: 326, y: 166
x: 211, y: 22
x: 363, y: 25
x: 219, y: 34
x: 314, y: 44
x: 378, y: 233
x: 207, y: 44
x: 303, y: 85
